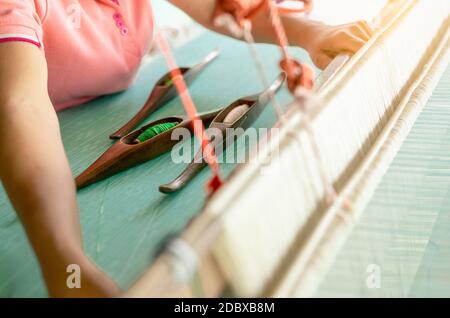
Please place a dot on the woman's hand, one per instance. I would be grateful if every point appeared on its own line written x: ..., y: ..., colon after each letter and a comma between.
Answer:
x: 324, y: 42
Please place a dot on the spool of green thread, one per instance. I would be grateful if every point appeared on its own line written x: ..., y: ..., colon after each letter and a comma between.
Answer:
x: 154, y: 131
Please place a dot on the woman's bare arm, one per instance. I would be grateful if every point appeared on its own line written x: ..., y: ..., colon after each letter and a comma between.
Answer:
x: 323, y: 42
x: 35, y: 171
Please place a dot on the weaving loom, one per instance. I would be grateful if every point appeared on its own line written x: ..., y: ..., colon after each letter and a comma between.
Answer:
x: 267, y: 242
x: 127, y: 224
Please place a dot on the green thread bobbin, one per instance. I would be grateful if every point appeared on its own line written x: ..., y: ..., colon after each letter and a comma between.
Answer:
x: 154, y: 131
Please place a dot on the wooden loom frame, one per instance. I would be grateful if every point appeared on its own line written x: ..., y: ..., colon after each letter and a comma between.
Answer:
x: 299, y: 272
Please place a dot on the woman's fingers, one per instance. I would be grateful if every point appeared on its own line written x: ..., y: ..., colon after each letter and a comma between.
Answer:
x: 333, y: 40
x: 344, y: 41
x: 322, y: 60
x: 359, y: 31
x: 350, y: 37
x: 366, y: 27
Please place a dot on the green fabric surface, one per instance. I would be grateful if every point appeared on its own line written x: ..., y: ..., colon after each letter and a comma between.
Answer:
x: 125, y: 220
x: 405, y: 229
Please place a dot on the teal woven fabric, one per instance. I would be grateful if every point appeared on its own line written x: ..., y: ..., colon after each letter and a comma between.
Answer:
x: 405, y: 230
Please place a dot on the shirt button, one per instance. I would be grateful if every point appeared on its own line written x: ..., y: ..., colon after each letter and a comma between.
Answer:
x: 120, y: 24
x: 124, y: 31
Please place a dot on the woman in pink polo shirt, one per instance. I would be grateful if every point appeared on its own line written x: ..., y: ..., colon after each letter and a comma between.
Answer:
x: 56, y: 54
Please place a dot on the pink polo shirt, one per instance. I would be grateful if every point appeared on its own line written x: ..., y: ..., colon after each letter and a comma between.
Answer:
x: 92, y: 47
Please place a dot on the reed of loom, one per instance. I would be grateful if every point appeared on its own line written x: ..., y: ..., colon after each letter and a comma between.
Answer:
x: 269, y: 231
